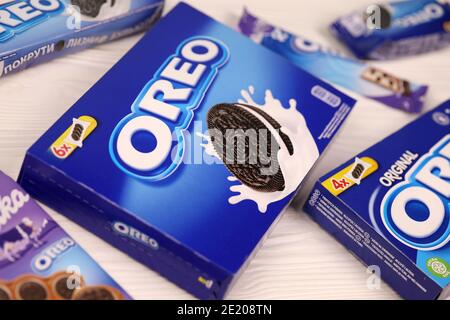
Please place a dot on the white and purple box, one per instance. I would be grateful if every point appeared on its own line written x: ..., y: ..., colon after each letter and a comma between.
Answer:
x: 39, y: 260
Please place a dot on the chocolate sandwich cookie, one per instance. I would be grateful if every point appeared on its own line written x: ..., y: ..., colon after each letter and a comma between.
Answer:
x: 97, y: 293
x: 90, y: 8
x: 387, y: 81
x: 77, y: 132
x: 357, y: 171
x: 246, y: 161
x: 31, y: 288
x: 5, y: 292
x: 62, y: 286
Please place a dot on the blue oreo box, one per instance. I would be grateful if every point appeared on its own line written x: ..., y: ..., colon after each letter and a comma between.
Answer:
x: 35, y: 31
x: 139, y: 160
x: 390, y: 206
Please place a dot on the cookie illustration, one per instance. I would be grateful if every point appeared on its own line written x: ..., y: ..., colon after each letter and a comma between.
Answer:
x: 97, y: 293
x: 5, y: 293
x: 62, y: 286
x: 387, y: 81
x: 357, y: 171
x: 31, y: 288
x: 77, y: 132
x: 90, y: 8
x: 244, y: 156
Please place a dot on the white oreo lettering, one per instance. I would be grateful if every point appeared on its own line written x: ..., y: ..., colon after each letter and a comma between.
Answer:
x: 164, y: 106
x: 427, y: 188
x: 134, y: 234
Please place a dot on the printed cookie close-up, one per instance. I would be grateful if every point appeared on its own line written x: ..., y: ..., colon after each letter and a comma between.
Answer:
x: 91, y: 7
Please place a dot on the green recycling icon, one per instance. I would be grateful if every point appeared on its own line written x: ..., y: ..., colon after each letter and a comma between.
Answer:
x: 438, y: 267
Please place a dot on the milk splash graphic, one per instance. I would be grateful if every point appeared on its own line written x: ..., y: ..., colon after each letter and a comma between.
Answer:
x: 294, y: 167
x: 108, y: 10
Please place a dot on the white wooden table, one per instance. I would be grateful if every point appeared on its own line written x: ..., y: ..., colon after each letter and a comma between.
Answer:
x: 299, y: 260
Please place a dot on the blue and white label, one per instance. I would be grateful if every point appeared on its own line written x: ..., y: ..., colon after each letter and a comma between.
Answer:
x: 44, y: 260
x: 149, y: 142
x: 417, y: 211
x: 19, y: 16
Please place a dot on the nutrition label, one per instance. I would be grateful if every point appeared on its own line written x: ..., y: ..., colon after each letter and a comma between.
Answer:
x: 361, y: 236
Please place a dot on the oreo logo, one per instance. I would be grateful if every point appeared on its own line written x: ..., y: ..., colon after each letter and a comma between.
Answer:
x: 417, y: 211
x: 142, y: 143
x: 19, y: 16
x: 377, y: 17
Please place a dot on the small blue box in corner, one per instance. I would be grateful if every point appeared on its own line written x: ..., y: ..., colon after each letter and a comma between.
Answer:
x: 390, y: 206
x: 35, y: 31
x: 187, y: 150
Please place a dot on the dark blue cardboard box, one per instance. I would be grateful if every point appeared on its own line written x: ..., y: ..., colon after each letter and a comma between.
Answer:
x: 136, y: 160
x: 390, y: 206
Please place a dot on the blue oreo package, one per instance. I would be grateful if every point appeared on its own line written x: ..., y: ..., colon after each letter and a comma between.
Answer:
x: 390, y: 205
x: 395, y: 29
x: 185, y: 153
x: 35, y: 31
x: 330, y: 65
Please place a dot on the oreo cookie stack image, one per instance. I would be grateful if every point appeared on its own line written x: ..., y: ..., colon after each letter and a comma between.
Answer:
x: 91, y: 8
x: 235, y: 123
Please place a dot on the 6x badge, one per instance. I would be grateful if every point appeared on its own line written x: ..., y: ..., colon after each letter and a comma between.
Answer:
x: 73, y: 137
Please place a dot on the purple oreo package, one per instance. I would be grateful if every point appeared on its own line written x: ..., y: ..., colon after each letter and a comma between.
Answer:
x: 395, y: 29
x: 330, y: 65
x: 39, y: 260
